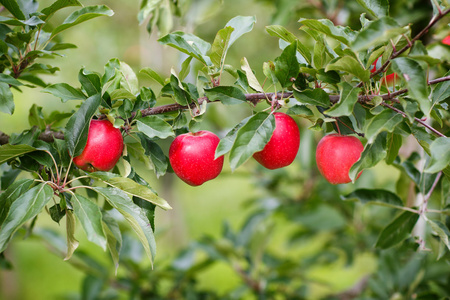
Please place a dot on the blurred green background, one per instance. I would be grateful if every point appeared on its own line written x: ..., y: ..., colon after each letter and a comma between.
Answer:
x: 197, y: 211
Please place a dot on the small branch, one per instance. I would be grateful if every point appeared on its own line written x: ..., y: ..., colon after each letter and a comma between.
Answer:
x: 415, y: 119
x: 395, y: 54
x: 428, y: 195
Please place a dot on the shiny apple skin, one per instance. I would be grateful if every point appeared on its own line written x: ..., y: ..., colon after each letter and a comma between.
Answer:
x: 191, y: 156
x: 335, y: 155
x: 103, y: 149
x: 283, y: 146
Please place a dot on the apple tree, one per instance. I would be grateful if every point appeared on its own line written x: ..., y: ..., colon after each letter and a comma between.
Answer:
x: 354, y: 90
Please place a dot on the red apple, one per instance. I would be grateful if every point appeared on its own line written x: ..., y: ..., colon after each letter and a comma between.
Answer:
x: 282, y: 147
x: 191, y: 156
x: 335, y: 154
x: 446, y: 40
x: 103, y: 148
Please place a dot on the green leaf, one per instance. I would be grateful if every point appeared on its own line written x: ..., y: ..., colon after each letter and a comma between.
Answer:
x: 82, y: 15
x: 178, y: 93
x: 14, y: 9
x: 300, y: 110
x: 314, y: 97
x: 9, y: 80
x: 286, y: 65
x: 375, y: 196
x: 398, y: 230
x: 90, y: 217
x: 343, y: 34
x: 14, y: 191
x: 251, y: 78
x: 72, y: 243
x: 241, y: 25
x: 188, y: 44
x: 377, y: 33
x: 440, y: 155
x: 131, y: 187
x: 387, y: 120
x: 90, y: 82
x: 64, y: 91
x: 441, y: 230
x: 152, y: 74
x: 134, y: 215
x: 154, y: 126
x: 35, y: 117
x: 113, y: 237
x: 185, y: 68
x: 373, y: 153
x: 228, y: 95
x: 8, y: 151
x: 227, y: 142
x: 416, y: 81
x: 394, y: 143
x: 57, y: 5
x: 251, y: 137
x: 347, y: 100
x: 220, y: 46
x: 441, y: 91
x: 284, y: 34
x: 319, y: 54
x: 6, y: 99
x: 156, y: 155
x: 377, y: 8
x: 77, y: 127
x: 26, y: 207
x: 349, y: 65
x: 129, y: 80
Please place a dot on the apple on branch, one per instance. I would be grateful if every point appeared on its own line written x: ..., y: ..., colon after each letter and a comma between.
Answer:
x: 335, y: 155
x: 282, y: 147
x: 191, y: 156
x: 103, y: 149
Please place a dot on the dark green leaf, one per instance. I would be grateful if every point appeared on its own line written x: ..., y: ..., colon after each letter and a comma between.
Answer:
x: 131, y: 187
x: 394, y: 143
x: 57, y: 213
x: 82, y: 15
x: 26, y: 207
x: 398, y: 230
x: 228, y: 95
x: 9, y: 80
x: 14, y: 9
x: 441, y: 91
x: 375, y: 196
x: 35, y: 117
x: 8, y: 151
x: 6, y: 99
x: 14, y: 191
x: 314, y: 97
x: 251, y: 137
x: 64, y: 91
x: 347, y: 100
x: 77, y: 127
x: 155, y: 154
x: 134, y: 215
x: 286, y: 65
x: 90, y: 82
x: 90, y: 217
x: 416, y: 81
x: 57, y: 5
x: 378, y: 8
